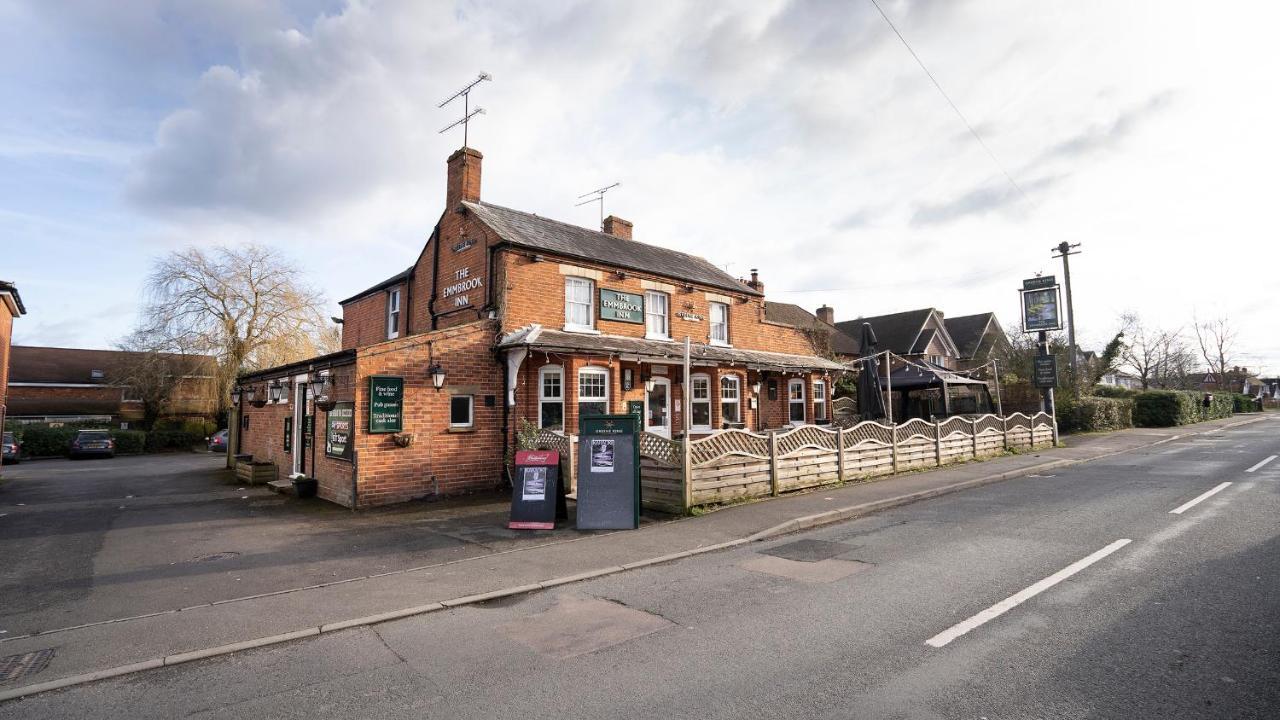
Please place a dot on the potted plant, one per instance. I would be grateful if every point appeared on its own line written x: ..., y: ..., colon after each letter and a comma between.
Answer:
x: 304, y: 487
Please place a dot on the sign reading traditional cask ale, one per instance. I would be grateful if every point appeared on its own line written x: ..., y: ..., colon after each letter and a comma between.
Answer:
x: 386, y: 404
x: 337, y: 435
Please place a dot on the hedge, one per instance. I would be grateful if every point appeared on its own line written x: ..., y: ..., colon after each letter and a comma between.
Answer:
x: 1090, y: 414
x: 1245, y: 403
x: 45, y: 441
x: 172, y: 440
x: 1167, y: 408
x: 129, y: 442
x: 40, y: 440
x: 1113, y: 391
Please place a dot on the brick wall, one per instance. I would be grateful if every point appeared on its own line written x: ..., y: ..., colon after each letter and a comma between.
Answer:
x: 6, y: 338
x: 191, y: 398
x: 364, y: 321
x: 440, y: 460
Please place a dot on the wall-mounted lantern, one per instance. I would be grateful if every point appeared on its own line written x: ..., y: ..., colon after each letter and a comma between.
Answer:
x: 235, y: 396
x: 649, y: 383
x: 437, y: 375
x: 256, y: 397
x: 275, y: 391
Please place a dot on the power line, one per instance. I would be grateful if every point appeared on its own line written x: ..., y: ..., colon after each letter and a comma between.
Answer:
x: 954, y: 107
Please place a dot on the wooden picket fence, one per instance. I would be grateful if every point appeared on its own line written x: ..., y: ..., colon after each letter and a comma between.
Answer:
x: 737, y: 464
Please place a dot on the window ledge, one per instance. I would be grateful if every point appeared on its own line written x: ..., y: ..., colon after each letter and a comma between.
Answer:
x: 470, y: 429
x: 720, y: 343
x: 662, y: 338
x: 583, y: 330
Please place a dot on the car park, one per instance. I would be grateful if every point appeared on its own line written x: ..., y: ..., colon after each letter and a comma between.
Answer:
x: 218, y: 441
x: 11, y: 447
x: 92, y: 443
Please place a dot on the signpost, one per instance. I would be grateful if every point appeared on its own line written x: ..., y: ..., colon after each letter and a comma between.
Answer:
x: 537, y: 500
x: 621, y: 306
x: 386, y: 404
x: 1040, y: 314
x: 337, y: 435
x: 608, y: 472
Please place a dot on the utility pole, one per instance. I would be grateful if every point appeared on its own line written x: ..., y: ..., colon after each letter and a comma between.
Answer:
x: 1064, y: 250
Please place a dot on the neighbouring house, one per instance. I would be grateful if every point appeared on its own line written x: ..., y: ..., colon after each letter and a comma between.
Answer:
x: 1271, y: 388
x: 977, y: 338
x: 10, y: 307
x: 919, y: 335
x: 1238, y: 380
x: 820, y: 327
x: 509, y: 321
x: 1121, y: 379
x: 51, y: 384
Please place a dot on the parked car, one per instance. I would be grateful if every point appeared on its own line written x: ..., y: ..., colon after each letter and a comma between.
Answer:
x: 93, y: 443
x: 11, y: 447
x: 218, y: 442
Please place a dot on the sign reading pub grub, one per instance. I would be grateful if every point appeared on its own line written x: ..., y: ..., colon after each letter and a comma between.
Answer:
x: 337, y: 435
x: 386, y: 404
x: 621, y: 306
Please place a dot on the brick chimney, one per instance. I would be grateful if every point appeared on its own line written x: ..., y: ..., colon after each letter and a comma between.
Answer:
x: 827, y: 314
x: 617, y: 227
x: 464, y: 178
x: 754, y: 283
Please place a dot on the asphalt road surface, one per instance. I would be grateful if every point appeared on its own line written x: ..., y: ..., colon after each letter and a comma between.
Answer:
x: 1143, y: 585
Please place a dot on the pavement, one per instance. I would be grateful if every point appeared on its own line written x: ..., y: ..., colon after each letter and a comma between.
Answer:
x: 114, y: 636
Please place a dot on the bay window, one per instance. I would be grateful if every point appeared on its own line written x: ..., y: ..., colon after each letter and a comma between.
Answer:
x: 731, y: 399
x: 656, y: 315
x: 700, y: 403
x: 577, y: 303
x: 551, y: 398
x: 593, y: 391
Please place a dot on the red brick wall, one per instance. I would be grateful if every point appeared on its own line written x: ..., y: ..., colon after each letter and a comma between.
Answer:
x: 364, y: 321
x: 6, y: 338
x: 191, y: 398
x: 438, y: 460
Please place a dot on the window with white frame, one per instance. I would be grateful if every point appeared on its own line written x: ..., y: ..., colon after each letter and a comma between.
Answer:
x: 656, y: 315
x: 577, y: 304
x: 460, y: 411
x: 593, y: 391
x: 551, y: 398
x: 700, y: 403
x: 731, y: 399
x: 819, y: 400
x: 719, y: 323
x: 795, y: 401
x: 393, y: 314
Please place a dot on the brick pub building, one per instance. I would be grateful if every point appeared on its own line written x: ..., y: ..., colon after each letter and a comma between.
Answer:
x: 508, y: 320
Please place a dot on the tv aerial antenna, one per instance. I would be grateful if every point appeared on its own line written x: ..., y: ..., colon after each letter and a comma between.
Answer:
x: 467, y: 112
x: 596, y: 196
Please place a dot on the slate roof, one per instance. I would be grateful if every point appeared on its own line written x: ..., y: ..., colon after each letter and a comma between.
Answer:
x: 394, y: 279
x: 538, y: 233
x: 967, y: 330
x: 896, y: 332
x: 33, y: 364
x: 798, y: 317
x: 541, y: 338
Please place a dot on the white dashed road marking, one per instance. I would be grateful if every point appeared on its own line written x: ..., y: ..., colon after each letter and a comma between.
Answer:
x: 1262, y: 464
x: 1198, y: 499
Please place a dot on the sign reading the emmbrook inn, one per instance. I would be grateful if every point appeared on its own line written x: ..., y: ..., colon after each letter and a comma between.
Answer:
x: 621, y: 306
x: 386, y: 404
x: 1044, y: 371
x: 337, y: 434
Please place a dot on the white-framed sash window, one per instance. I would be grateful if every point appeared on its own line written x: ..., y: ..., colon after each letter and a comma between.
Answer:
x: 593, y: 391
x: 657, y: 315
x: 719, y: 323
x: 819, y: 400
x: 393, y: 314
x: 551, y: 397
x: 700, y: 403
x: 795, y: 401
x: 731, y: 399
x: 578, y: 304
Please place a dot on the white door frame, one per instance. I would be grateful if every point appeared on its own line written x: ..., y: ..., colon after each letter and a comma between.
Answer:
x: 299, y: 416
x: 664, y: 432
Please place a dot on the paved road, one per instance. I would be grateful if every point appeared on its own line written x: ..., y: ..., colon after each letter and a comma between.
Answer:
x: 880, y: 617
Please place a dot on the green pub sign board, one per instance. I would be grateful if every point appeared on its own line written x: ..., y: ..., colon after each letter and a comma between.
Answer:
x: 337, y: 435
x: 621, y: 306
x: 386, y: 404
x: 1044, y: 371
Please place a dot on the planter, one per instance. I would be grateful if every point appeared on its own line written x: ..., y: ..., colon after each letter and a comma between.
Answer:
x: 255, y: 473
x: 305, y: 487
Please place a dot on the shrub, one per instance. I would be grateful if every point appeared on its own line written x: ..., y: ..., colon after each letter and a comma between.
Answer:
x: 1091, y: 414
x: 1113, y: 391
x: 1244, y: 403
x: 45, y: 441
x: 1167, y: 408
x: 200, y: 427
x: 171, y: 440
x: 129, y: 441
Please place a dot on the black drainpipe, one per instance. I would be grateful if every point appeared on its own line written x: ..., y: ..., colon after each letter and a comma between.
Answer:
x: 506, y: 413
x: 435, y: 277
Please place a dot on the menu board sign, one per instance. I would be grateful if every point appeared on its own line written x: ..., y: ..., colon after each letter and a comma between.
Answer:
x: 338, y: 426
x: 386, y: 404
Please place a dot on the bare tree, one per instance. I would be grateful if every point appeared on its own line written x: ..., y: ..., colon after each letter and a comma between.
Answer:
x: 1148, y: 350
x: 1217, y: 340
x: 153, y: 370
x: 247, y: 306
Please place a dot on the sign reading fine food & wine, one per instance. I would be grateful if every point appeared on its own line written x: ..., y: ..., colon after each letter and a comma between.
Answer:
x: 386, y: 404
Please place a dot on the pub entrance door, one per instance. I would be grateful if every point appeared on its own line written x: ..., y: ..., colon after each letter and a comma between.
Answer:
x: 657, y: 407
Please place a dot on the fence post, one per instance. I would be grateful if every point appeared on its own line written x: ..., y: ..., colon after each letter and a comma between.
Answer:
x: 573, y: 463
x: 686, y: 464
x: 937, y: 442
x: 1004, y: 430
x: 1031, y: 431
x: 773, y: 462
x: 974, y: 427
x: 840, y: 454
x: 893, y: 435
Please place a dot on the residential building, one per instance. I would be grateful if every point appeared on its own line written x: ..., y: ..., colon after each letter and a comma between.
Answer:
x: 10, y: 307
x: 977, y: 338
x: 508, y: 320
x: 51, y: 384
x: 919, y: 335
x: 1121, y: 379
x: 1238, y: 380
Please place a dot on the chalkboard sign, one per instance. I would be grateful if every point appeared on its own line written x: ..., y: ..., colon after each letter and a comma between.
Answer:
x: 386, y: 404
x: 337, y: 435
x: 537, y: 500
x: 608, y: 472
x: 1044, y: 371
x: 636, y: 408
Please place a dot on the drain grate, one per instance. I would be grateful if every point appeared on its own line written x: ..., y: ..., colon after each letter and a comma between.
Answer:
x: 808, y: 550
x: 19, y: 666
x: 216, y: 556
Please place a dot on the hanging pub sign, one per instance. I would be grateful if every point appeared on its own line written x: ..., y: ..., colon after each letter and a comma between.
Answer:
x: 621, y: 306
x: 386, y: 404
x: 1041, y: 303
x: 1044, y: 371
x: 337, y: 434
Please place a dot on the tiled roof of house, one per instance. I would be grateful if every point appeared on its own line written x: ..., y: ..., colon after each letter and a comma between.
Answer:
x: 967, y: 331
x: 11, y: 290
x: 538, y: 233
x: 398, y: 277
x: 896, y: 332
x: 79, y: 365
x: 798, y: 317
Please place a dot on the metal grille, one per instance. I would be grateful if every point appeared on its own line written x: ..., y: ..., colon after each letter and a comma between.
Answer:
x: 19, y: 666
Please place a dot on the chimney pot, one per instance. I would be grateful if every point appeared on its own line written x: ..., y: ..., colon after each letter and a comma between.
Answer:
x: 464, y: 177
x: 827, y: 314
x: 617, y: 227
x: 755, y: 283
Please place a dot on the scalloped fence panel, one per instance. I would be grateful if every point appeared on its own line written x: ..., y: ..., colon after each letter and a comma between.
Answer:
x: 739, y: 464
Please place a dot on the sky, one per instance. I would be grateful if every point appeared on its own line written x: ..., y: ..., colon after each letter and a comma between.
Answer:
x: 797, y: 137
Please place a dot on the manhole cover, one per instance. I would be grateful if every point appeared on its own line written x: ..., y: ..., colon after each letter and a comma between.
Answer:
x: 217, y: 556
x: 808, y: 550
x: 17, y: 666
